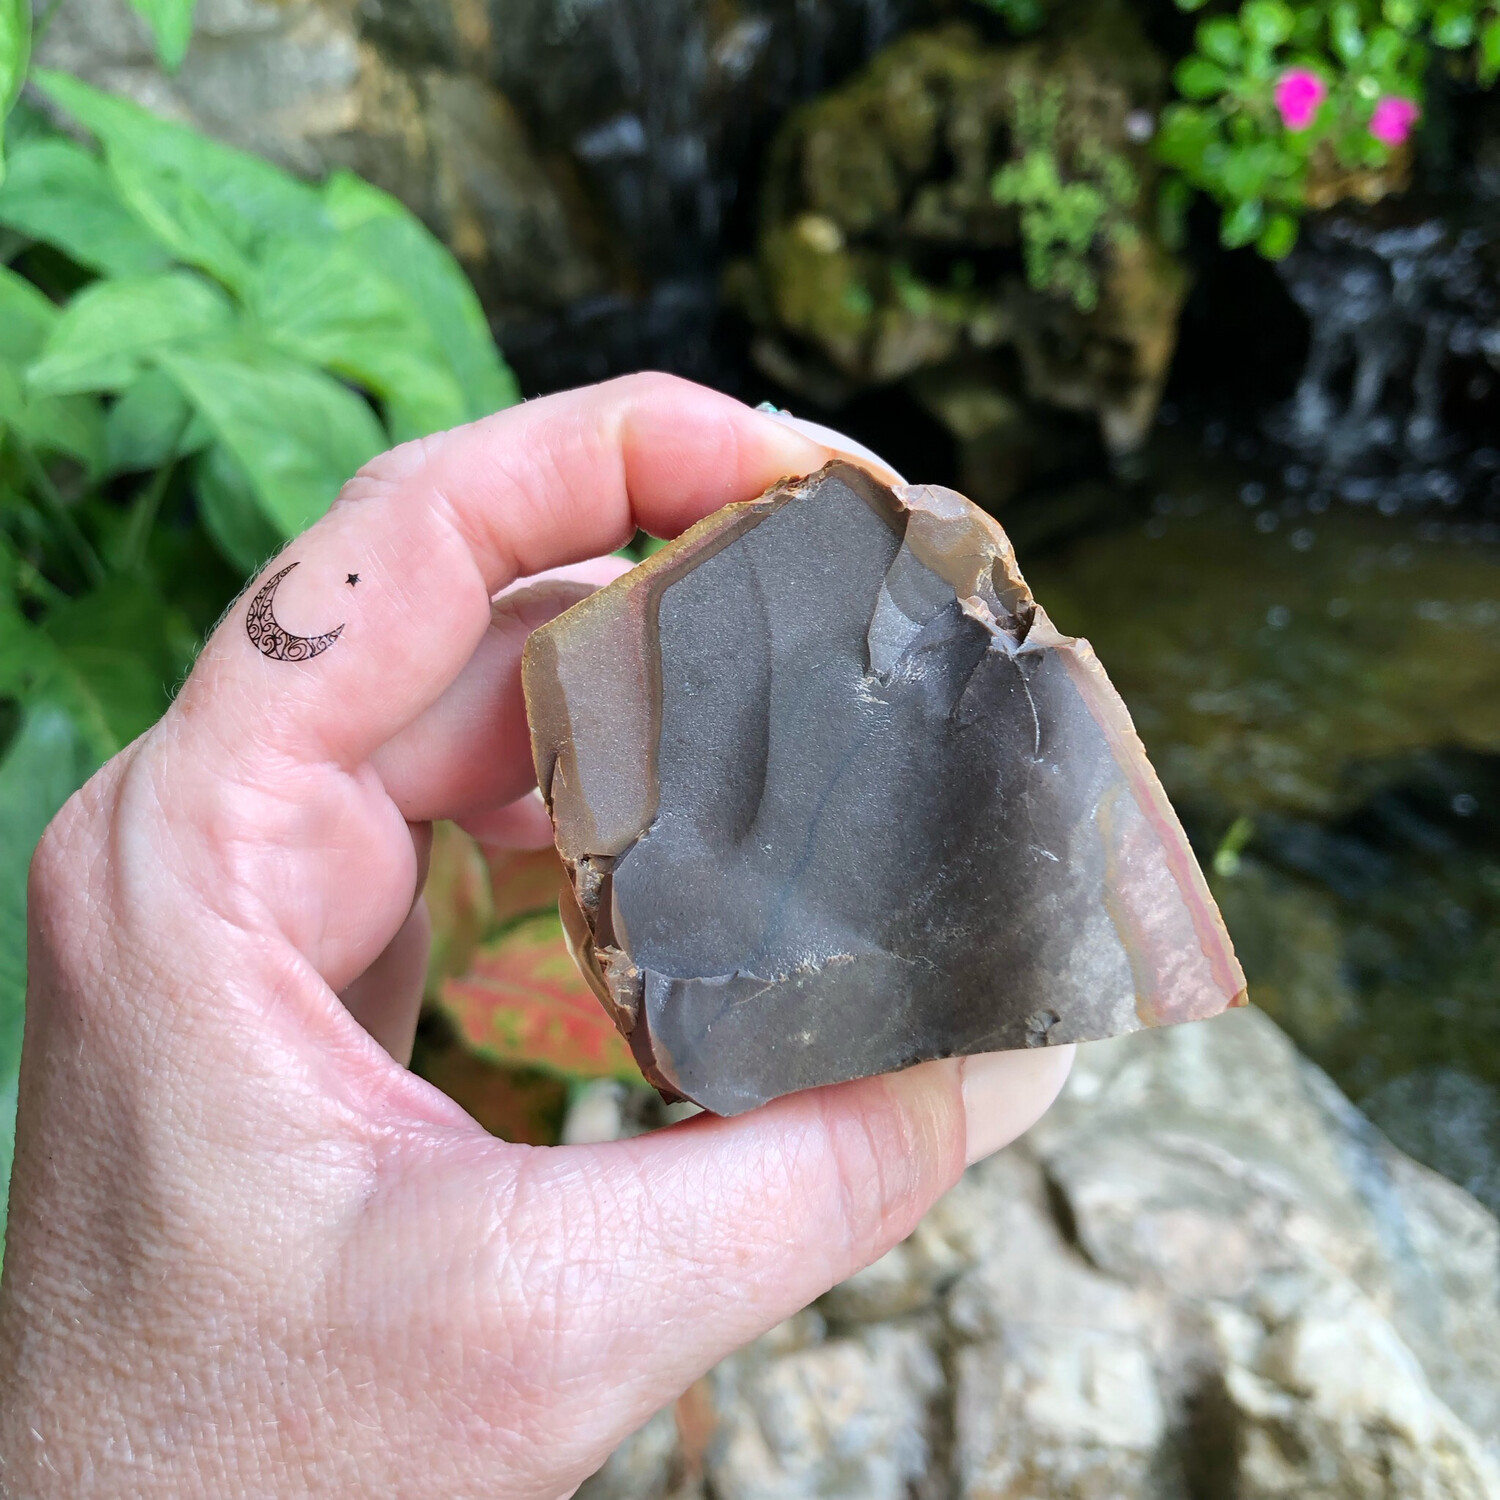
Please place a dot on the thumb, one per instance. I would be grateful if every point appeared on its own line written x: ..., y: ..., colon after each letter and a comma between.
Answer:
x: 667, y: 1252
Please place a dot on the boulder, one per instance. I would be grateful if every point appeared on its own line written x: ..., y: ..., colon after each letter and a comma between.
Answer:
x: 1203, y: 1273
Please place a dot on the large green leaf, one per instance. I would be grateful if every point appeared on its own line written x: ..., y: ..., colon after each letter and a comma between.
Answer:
x: 46, y: 762
x: 60, y: 193
x: 15, y: 56
x: 109, y: 330
x: 70, y: 425
x: 180, y: 215
x: 120, y: 650
x: 150, y: 425
x: 390, y: 238
x: 26, y: 319
x: 171, y: 22
x: 210, y: 205
x: 230, y: 512
x: 329, y: 306
x: 109, y: 659
x: 297, y: 433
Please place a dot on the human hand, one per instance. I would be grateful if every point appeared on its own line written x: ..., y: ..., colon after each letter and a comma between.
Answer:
x: 249, y: 1252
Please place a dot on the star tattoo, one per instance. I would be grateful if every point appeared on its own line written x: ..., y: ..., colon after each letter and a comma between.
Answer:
x: 352, y: 579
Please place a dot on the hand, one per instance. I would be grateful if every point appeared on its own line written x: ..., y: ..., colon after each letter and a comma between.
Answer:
x: 250, y: 1253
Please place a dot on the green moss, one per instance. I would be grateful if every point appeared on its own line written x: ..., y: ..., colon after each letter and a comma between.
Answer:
x: 1068, y: 208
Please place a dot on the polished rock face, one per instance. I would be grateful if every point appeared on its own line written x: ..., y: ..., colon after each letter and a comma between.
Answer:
x: 837, y: 798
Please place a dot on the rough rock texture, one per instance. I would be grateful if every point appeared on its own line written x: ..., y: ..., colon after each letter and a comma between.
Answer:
x: 1204, y: 1276
x: 836, y: 797
x: 889, y: 246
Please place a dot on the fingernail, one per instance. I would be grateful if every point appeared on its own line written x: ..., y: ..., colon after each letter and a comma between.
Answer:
x: 831, y: 438
x: 1006, y: 1093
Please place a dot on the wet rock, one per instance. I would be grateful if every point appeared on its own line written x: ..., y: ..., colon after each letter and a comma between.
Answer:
x: 912, y: 218
x: 1203, y: 1273
x: 825, y: 747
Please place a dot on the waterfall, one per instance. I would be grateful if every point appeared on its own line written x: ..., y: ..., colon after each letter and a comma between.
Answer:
x: 1396, y: 314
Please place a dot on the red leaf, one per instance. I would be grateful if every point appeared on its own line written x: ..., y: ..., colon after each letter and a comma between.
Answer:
x: 524, y: 1001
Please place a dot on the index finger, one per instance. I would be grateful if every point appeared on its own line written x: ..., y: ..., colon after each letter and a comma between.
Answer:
x: 364, y: 619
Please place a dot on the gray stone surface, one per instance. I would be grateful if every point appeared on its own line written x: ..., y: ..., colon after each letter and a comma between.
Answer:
x: 1204, y: 1274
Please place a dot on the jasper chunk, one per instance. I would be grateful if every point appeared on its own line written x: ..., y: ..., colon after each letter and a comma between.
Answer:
x: 836, y: 797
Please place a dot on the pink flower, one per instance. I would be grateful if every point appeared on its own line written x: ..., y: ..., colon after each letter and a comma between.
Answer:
x: 1299, y: 92
x: 1393, y: 119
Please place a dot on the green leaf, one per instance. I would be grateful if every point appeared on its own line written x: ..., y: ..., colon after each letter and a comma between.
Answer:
x: 297, y: 433
x: 111, y: 328
x: 1453, y: 24
x: 1222, y: 40
x: 1243, y: 223
x: 1198, y: 78
x: 1489, y: 52
x: 1384, y: 49
x: 15, y: 57
x: 230, y: 513
x: 171, y: 23
x: 1345, y: 33
x: 1278, y: 237
x: 58, y: 192
x: 123, y: 652
x: 394, y: 241
x: 1268, y: 23
x: 1191, y: 5
x: 26, y: 318
x: 1402, y: 14
x: 208, y: 204
x: 183, y: 218
x: 1247, y: 172
x: 1173, y: 201
x: 46, y: 762
x: 329, y: 307
x: 150, y: 425
x: 72, y: 426
x: 1187, y: 134
x: 69, y: 425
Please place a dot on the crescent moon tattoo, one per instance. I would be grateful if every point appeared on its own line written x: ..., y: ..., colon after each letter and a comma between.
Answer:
x: 270, y: 639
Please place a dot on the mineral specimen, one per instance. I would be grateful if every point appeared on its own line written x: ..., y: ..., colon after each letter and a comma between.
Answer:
x: 836, y: 796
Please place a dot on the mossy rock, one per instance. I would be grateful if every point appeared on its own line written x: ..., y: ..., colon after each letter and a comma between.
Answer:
x: 957, y: 197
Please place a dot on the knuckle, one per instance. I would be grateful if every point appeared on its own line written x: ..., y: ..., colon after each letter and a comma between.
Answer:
x: 892, y: 1152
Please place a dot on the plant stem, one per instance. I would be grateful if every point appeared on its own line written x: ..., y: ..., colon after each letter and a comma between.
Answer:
x: 57, y: 508
x: 147, y: 506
